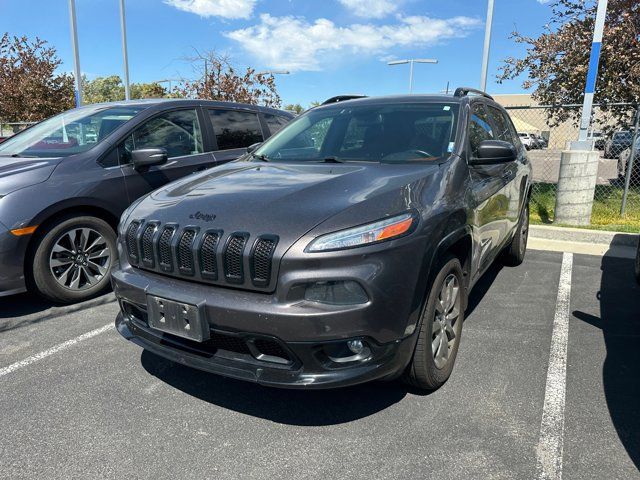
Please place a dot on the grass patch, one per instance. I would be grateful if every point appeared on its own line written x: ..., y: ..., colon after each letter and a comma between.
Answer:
x: 606, y: 207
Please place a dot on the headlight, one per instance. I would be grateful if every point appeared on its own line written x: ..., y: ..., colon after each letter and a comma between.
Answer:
x: 379, y: 231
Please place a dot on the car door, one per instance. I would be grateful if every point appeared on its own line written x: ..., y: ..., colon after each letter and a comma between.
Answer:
x: 234, y: 131
x: 513, y: 171
x: 180, y: 133
x: 490, y: 191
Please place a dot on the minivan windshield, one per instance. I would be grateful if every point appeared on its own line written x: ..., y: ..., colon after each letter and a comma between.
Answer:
x: 69, y: 133
x: 390, y: 133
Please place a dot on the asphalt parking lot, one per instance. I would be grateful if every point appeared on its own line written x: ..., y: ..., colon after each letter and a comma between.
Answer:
x: 79, y: 401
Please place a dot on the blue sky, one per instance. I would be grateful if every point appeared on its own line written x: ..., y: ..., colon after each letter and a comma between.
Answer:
x: 330, y: 46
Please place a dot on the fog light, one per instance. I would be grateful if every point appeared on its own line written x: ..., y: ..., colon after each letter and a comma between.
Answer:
x: 356, y: 346
x: 343, y: 292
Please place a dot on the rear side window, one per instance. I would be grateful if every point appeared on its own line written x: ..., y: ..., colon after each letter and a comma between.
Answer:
x: 480, y: 128
x: 178, y: 132
x: 235, y: 128
x: 275, y: 122
x: 503, y: 130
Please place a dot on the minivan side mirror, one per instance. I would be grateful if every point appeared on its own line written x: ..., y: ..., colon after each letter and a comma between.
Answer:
x: 147, y: 157
x: 253, y: 148
x: 493, y: 152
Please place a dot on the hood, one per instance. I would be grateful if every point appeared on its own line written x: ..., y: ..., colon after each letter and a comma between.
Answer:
x: 283, y: 199
x: 17, y: 173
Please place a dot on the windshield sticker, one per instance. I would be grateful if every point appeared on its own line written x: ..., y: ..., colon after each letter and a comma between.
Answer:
x: 446, y: 108
x: 450, y: 147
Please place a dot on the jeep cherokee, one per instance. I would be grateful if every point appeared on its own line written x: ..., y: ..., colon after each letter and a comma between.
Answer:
x: 341, y: 250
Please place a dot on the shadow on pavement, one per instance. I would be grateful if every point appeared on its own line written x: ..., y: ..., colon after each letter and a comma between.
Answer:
x: 619, y: 321
x: 27, y: 309
x: 292, y: 407
x: 482, y: 286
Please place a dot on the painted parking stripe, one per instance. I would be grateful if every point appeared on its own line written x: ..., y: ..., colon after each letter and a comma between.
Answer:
x: 58, y: 348
x: 550, y: 444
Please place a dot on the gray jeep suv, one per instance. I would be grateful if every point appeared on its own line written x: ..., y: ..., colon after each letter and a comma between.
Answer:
x: 341, y: 250
x: 65, y: 182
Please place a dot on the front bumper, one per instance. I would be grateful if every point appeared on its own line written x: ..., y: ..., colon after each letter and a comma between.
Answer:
x: 307, y: 368
x: 12, y: 250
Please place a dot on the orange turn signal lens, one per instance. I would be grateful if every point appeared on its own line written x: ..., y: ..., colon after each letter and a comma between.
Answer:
x: 395, y: 229
x: 18, y: 232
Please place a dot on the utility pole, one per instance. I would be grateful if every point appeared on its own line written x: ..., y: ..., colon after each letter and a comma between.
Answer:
x: 487, y: 47
x: 579, y: 165
x: 125, y: 57
x: 76, y: 53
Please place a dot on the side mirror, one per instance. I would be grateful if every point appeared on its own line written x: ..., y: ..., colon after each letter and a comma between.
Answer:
x: 493, y: 152
x: 253, y: 148
x: 147, y: 157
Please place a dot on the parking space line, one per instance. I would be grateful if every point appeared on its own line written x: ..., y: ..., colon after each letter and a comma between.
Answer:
x: 550, y: 444
x: 46, y: 353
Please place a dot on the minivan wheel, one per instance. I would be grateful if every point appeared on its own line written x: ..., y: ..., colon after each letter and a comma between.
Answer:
x: 515, y: 252
x: 440, y: 330
x: 73, y: 260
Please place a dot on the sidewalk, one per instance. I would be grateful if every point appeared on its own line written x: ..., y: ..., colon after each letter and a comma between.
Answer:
x: 579, y: 240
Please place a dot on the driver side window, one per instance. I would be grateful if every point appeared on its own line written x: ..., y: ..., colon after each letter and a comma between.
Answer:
x: 480, y: 128
x: 178, y: 132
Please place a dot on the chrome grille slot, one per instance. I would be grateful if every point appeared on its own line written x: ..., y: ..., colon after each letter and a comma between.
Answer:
x: 132, y: 243
x: 233, y: 261
x: 261, y: 259
x: 164, y: 249
x: 208, y: 255
x: 185, y: 252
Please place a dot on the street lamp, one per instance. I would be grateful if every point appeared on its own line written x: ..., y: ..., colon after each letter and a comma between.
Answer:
x: 411, y: 61
x: 274, y: 72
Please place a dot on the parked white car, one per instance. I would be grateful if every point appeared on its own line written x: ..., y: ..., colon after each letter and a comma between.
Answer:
x: 529, y: 140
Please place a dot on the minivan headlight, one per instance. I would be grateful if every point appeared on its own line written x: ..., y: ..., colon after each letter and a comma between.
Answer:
x: 375, y: 232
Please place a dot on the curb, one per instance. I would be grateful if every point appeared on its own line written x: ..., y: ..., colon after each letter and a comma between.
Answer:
x: 581, y: 235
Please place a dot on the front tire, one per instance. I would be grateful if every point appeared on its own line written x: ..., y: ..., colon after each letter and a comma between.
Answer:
x: 517, y: 249
x: 73, y: 259
x: 440, y: 330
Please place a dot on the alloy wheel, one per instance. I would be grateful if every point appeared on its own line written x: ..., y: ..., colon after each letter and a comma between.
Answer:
x: 443, y: 332
x: 80, y: 258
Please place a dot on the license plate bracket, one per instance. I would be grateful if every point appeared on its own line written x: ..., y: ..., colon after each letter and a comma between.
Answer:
x: 178, y: 318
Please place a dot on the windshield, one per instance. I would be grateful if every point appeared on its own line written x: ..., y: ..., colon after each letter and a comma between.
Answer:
x: 71, y: 132
x: 623, y: 136
x: 380, y: 133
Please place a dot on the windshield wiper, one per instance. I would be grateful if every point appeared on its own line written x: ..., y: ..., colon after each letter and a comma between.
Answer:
x: 262, y: 158
x: 332, y: 159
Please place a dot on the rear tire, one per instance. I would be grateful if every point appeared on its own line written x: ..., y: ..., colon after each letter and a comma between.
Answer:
x: 517, y: 249
x: 73, y: 259
x: 441, y: 322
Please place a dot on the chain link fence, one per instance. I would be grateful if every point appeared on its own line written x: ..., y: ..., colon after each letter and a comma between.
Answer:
x: 618, y: 176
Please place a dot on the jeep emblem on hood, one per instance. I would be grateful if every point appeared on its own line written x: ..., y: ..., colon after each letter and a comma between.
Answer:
x: 206, y: 217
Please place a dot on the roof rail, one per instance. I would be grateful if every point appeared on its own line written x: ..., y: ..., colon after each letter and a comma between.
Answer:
x: 464, y: 91
x: 342, y: 98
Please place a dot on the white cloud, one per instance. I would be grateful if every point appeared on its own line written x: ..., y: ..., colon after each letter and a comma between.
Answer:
x: 295, y: 44
x: 215, y: 8
x: 370, y: 8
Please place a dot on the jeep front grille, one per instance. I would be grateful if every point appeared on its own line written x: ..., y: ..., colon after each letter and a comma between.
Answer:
x: 207, y: 256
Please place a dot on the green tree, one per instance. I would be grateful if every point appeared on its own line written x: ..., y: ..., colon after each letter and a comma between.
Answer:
x: 297, y: 108
x: 148, y: 90
x: 556, y: 62
x: 31, y: 90
x: 102, y: 89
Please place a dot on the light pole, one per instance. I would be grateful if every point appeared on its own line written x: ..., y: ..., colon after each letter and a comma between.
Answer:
x: 274, y: 72
x: 169, y: 81
x: 125, y: 58
x: 487, y: 47
x: 76, y: 54
x: 411, y: 61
